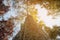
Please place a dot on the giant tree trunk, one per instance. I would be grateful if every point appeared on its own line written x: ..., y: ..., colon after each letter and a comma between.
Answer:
x: 31, y: 31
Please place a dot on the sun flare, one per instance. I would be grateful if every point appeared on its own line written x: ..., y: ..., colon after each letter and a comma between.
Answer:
x: 42, y: 14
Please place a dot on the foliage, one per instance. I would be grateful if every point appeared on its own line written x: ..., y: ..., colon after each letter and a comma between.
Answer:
x: 6, y: 26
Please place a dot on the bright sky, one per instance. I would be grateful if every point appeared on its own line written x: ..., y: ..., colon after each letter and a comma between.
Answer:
x: 48, y: 20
